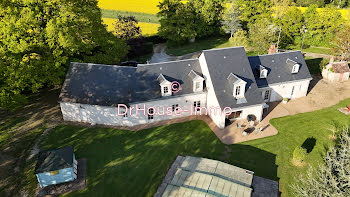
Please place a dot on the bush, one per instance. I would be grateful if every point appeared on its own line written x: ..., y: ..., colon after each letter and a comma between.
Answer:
x: 299, y: 154
x: 324, y: 63
x: 239, y: 39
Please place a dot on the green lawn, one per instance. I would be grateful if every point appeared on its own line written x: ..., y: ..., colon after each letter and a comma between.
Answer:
x: 15, y: 146
x: 128, y: 163
x: 141, y: 17
x: 199, y: 45
x: 202, y: 44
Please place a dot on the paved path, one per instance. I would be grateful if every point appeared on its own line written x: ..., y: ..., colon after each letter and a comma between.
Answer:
x: 160, y: 55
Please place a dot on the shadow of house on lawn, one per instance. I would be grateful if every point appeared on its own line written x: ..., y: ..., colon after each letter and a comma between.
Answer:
x: 261, y: 162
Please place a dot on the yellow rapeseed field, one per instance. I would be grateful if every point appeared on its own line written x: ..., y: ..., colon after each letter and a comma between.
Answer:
x: 143, y: 6
x: 344, y: 12
x: 147, y: 28
x: 150, y: 6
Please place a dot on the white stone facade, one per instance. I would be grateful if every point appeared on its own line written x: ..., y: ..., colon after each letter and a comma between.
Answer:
x: 290, y: 90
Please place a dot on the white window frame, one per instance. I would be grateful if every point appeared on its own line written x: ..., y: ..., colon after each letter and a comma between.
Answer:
x: 263, y: 73
x: 268, y: 93
x: 150, y: 115
x: 198, y: 85
x: 165, y: 90
x: 197, y: 105
x: 175, y: 107
x: 295, y: 68
x: 238, y: 90
x: 126, y: 114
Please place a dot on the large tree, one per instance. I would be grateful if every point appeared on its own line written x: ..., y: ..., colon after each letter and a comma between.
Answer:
x: 290, y: 23
x: 126, y: 28
x: 176, y: 20
x: 261, y: 35
x: 341, y: 43
x: 182, y: 21
x: 331, y: 179
x: 38, y: 39
x: 321, y: 25
x: 230, y: 22
x: 252, y: 10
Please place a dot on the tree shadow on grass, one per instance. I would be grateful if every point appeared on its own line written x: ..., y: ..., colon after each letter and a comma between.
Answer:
x: 309, y: 144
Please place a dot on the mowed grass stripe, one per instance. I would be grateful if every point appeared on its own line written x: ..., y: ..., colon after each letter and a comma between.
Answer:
x: 146, y: 28
x: 141, y: 17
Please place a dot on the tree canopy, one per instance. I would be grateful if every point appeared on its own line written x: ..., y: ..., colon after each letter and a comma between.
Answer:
x: 252, y: 10
x: 230, y: 22
x: 196, y: 18
x: 38, y: 39
x: 262, y: 34
x: 126, y: 28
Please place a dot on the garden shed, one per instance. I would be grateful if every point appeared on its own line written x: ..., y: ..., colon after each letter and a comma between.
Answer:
x: 56, y: 166
x: 336, y: 71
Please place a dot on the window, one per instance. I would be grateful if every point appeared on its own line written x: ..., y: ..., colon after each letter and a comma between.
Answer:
x: 150, y: 114
x: 267, y: 95
x: 197, y: 105
x: 263, y: 74
x: 238, y: 90
x: 175, y: 107
x: 54, y: 172
x: 198, y: 85
x: 295, y: 68
x: 235, y: 115
x: 165, y: 90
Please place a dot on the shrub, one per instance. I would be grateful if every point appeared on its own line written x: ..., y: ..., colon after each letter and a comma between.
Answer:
x: 239, y: 39
x: 299, y: 154
x: 330, y: 178
x: 324, y: 63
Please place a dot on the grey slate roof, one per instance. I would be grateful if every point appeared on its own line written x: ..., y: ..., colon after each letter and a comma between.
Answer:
x: 279, y: 69
x: 51, y: 160
x: 109, y: 85
x: 222, y: 62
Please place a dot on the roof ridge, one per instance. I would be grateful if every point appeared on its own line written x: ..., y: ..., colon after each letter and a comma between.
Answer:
x: 151, y: 64
x: 275, y: 53
x: 224, y: 48
x: 106, y: 65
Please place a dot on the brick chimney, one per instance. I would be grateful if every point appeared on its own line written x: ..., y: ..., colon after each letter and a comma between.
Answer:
x: 272, y: 49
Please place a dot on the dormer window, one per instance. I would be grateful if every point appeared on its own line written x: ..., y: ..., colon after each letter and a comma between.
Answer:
x: 238, y: 86
x: 238, y: 91
x: 164, y: 85
x: 198, y: 85
x: 263, y: 72
x: 197, y: 81
x: 165, y: 89
x: 294, y: 66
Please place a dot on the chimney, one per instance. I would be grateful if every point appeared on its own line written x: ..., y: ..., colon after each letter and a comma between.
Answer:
x: 272, y: 49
